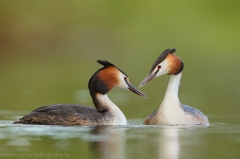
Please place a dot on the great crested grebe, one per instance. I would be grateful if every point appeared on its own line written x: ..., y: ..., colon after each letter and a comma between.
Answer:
x: 171, y: 111
x: 106, y: 112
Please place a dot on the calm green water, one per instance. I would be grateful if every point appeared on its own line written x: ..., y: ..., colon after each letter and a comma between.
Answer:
x: 219, y: 140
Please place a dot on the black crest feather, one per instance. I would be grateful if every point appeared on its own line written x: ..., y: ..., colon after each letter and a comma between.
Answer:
x: 162, y: 57
x: 172, y: 50
x: 105, y: 63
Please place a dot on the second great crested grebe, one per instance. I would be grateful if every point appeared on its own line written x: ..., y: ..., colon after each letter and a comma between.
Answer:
x: 171, y: 111
x: 106, y: 112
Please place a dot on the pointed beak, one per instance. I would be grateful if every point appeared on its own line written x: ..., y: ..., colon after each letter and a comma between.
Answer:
x: 147, y: 79
x: 135, y: 90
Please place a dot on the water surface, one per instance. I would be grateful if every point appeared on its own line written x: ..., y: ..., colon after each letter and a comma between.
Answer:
x: 218, y: 140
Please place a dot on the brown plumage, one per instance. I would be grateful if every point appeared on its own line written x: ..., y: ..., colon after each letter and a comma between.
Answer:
x: 110, y: 76
x: 66, y: 114
x: 175, y: 63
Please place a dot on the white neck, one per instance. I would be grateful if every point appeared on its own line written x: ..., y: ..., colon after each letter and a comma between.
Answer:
x: 171, y: 95
x: 118, y: 116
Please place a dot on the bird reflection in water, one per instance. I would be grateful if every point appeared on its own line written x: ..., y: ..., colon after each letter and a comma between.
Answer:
x: 169, y: 144
x: 107, y: 142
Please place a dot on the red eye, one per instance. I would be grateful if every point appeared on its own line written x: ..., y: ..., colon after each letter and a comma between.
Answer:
x: 126, y: 79
x: 159, y: 66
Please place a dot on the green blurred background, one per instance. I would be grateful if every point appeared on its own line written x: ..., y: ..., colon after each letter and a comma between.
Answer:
x: 49, y: 50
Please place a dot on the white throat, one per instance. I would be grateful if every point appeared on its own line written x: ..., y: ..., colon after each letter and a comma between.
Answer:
x: 118, y: 116
x: 171, y: 95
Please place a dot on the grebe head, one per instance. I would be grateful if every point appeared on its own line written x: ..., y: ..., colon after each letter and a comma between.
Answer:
x: 166, y: 63
x: 111, y: 76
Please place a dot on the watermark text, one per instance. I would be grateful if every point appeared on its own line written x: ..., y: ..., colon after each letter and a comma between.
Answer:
x: 35, y: 154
